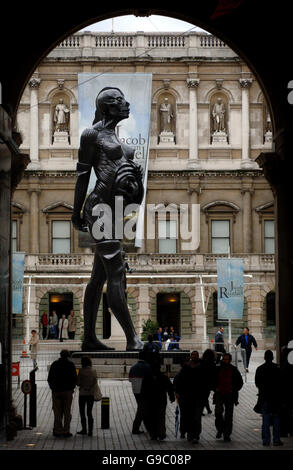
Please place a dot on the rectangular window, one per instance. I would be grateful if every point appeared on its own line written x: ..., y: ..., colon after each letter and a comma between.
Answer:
x: 14, y: 236
x: 167, y: 235
x: 269, y: 236
x: 61, y: 236
x: 220, y: 236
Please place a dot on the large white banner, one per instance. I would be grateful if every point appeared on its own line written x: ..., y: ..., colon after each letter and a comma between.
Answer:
x: 134, y: 131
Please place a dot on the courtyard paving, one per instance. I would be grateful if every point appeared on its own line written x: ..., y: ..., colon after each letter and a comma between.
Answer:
x: 246, y: 429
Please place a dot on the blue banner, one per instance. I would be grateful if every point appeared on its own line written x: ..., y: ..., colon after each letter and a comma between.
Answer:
x: 230, y: 288
x: 17, y: 281
x: 134, y: 131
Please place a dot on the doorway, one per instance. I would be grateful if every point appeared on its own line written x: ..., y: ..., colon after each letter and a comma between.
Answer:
x: 61, y: 303
x: 168, y: 310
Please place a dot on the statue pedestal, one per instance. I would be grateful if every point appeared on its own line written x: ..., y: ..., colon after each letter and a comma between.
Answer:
x: 60, y: 139
x: 219, y: 137
x: 166, y: 138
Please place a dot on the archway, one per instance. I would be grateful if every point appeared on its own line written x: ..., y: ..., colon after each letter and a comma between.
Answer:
x: 254, y: 46
x: 61, y: 301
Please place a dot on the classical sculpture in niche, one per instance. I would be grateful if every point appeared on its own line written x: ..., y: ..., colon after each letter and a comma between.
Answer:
x: 218, y: 124
x: 117, y: 175
x: 166, y: 116
x: 61, y: 117
x: 218, y: 114
x: 166, y: 122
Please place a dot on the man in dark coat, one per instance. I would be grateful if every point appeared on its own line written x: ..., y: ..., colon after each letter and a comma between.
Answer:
x: 62, y: 380
x: 193, y: 385
x: 158, y: 336
x: 269, y: 384
x: 143, y: 387
x: 228, y: 384
x: 163, y: 387
x: 152, y: 351
x: 246, y: 341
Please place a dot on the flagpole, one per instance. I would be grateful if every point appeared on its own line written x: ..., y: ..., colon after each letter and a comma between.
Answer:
x: 229, y: 321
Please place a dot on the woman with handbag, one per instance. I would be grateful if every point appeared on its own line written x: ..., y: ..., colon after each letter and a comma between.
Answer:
x: 88, y: 388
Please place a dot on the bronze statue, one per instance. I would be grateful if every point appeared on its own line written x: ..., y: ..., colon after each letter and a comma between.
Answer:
x: 117, y: 176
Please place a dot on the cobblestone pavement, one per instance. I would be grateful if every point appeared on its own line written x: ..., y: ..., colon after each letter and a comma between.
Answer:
x: 246, y: 429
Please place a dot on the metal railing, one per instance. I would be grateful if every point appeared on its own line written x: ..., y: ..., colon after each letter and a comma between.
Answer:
x: 49, y: 351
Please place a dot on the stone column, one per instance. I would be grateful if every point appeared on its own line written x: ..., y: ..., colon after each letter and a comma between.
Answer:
x: 34, y: 220
x: 193, y: 191
x: 247, y: 220
x: 143, y: 308
x: 245, y: 84
x: 278, y: 171
x: 34, y: 84
x: 192, y: 84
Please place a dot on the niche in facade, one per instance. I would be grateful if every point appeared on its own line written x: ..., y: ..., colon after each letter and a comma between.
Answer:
x: 219, y: 108
x: 166, y: 119
x: 60, y: 120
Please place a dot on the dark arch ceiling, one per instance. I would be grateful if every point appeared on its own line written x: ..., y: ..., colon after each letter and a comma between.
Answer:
x: 258, y: 31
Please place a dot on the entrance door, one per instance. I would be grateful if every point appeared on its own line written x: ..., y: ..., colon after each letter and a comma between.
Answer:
x: 61, y: 303
x: 168, y: 310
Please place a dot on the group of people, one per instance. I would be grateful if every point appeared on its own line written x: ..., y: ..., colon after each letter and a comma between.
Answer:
x: 62, y: 380
x: 62, y: 328
x: 192, y: 387
x: 246, y: 341
x: 168, y: 337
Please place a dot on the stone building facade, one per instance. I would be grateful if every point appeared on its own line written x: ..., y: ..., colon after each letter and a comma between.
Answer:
x: 219, y: 124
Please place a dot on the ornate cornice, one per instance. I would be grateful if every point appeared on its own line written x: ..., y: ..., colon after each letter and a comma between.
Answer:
x: 205, y: 173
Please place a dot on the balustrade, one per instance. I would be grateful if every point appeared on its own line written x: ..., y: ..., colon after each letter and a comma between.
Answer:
x: 71, y: 41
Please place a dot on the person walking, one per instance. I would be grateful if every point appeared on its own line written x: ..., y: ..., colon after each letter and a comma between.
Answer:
x: 163, y: 387
x: 143, y: 386
x: 246, y: 340
x: 268, y: 381
x: 33, y: 346
x: 45, y: 325
x: 181, y: 403
x: 228, y: 384
x: 192, y: 385
x: 71, y: 325
x: 62, y: 381
x: 208, y: 361
x: 86, y: 381
x: 63, y: 328
x: 220, y: 344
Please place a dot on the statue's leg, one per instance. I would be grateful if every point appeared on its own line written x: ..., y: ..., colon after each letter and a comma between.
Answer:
x: 110, y: 252
x: 92, y: 298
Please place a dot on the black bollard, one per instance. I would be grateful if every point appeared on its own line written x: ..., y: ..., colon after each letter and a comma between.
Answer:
x: 33, y: 399
x: 105, y: 412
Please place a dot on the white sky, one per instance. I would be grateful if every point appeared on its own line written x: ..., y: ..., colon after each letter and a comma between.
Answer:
x: 131, y: 23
